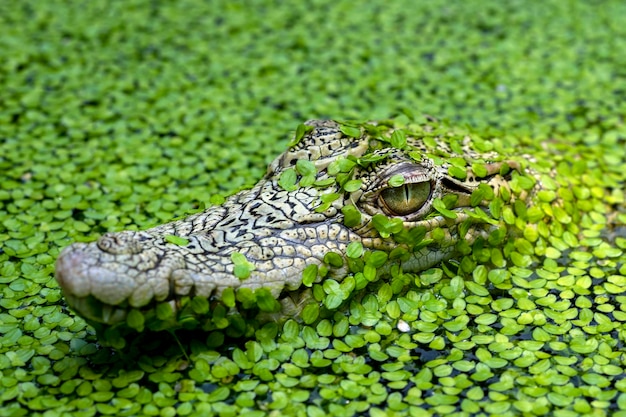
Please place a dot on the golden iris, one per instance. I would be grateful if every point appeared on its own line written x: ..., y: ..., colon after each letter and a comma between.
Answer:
x: 407, y: 198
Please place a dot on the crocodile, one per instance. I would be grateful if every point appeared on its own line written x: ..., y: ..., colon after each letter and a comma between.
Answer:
x: 336, y: 184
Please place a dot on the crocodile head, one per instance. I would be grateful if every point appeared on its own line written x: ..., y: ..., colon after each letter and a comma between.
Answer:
x: 369, y: 184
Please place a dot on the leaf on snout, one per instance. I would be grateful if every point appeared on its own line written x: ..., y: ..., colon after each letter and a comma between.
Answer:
x: 243, y: 268
x: 176, y: 240
x: 288, y: 179
x: 306, y: 167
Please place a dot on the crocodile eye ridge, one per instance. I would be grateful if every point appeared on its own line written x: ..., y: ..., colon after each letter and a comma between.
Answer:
x: 407, y: 198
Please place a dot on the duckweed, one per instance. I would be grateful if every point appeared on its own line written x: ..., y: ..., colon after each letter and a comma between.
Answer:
x: 118, y: 116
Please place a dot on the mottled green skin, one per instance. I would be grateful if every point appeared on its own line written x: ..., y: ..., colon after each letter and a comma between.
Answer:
x: 279, y: 232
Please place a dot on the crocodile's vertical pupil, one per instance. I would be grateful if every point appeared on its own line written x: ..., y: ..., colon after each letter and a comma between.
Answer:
x: 406, y: 199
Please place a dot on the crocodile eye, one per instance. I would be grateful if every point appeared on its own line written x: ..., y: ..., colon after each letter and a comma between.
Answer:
x: 406, y: 199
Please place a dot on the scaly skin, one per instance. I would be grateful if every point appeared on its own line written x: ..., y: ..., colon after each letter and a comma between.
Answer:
x: 278, y: 231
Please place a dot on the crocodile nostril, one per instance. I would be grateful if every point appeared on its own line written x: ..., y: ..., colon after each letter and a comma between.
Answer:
x: 105, y: 242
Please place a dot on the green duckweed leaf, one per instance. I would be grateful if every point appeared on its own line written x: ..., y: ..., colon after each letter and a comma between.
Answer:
x: 288, y: 179
x: 309, y: 275
x: 398, y: 139
x: 354, y: 250
x: 352, y: 216
x: 243, y: 268
x: 440, y: 206
x: 396, y: 180
x: 135, y: 320
x: 176, y: 240
x: 352, y: 186
x: 301, y: 131
x: 306, y: 167
x: 353, y: 132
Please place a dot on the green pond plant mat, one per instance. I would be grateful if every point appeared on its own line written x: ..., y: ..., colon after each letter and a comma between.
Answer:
x: 125, y: 115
